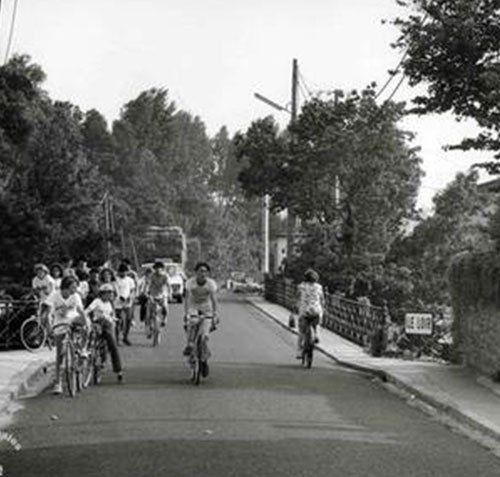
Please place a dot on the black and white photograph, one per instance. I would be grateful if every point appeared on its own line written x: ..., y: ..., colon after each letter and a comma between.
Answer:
x: 250, y: 238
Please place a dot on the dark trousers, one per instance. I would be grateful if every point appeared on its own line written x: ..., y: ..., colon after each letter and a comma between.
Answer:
x: 108, y: 335
x: 125, y: 317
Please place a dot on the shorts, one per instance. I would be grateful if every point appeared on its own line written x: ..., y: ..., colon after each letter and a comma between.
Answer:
x: 310, y: 319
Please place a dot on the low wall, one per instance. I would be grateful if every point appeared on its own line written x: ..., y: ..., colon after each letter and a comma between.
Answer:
x: 475, y: 290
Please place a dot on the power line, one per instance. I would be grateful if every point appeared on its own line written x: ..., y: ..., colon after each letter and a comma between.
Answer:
x: 11, y: 32
x: 395, y: 89
x: 303, y: 81
x: 392, y: 75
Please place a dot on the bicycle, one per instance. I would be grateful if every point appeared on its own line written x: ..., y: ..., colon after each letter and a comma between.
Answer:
x: 308, y: 342
x: 36, y: 333
x: 155, y: 308
x: 98, y: 351
x: 77, y: 367
x: 200, y: 352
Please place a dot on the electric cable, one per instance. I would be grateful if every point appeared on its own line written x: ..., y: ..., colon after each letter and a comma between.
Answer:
x: 11, y: 32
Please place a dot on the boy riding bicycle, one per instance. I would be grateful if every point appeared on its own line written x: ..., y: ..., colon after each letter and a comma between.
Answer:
x: 201, y: 300
x: 159, y: 289
x: 65, y: 306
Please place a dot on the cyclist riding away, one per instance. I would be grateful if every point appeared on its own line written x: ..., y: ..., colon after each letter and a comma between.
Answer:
x: 159, y: 289
x: 201, y: 299
x: 101, y: 310
x: 311, y: 304
x: 66, y: 306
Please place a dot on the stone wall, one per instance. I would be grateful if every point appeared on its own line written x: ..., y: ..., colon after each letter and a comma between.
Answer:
x: 475, y: 290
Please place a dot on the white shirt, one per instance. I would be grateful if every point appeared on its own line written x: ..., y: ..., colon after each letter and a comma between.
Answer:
x: 102, y: 309
x: 64, y: 310
x: 199, y: 295
x: 83, y: 289
x: 124, y: 289
x: 45, y: 286
x: 310, y: 297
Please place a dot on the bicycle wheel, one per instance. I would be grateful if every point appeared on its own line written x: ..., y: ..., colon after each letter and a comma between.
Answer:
x: 33, y: 334
x: 86, y: 370
x: 199, y: 356
x: 70, y: 370
x: 155, y: 327
x: 309, y: 356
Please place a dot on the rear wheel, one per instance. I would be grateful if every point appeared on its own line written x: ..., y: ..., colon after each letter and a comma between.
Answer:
x: 33, y: 334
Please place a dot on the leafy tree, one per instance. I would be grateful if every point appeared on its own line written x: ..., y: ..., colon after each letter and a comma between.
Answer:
x: 351, y: 140
x: 459, y: 223
x: 452, y: 47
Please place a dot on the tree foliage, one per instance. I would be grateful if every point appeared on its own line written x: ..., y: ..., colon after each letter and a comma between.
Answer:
x: 350, y: 141
x: 156, y: 162
x: 459, y: 223
x: 452, y: 47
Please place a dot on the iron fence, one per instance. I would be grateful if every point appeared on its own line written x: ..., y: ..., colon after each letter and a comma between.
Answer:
x: 13, y: 313
x: 355, y: 321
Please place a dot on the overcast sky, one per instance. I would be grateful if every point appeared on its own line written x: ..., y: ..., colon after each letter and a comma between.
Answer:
x: 212, y: 55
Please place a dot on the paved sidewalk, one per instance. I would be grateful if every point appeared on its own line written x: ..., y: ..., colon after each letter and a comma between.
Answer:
x: 20, y: 373
x: 457, y: 390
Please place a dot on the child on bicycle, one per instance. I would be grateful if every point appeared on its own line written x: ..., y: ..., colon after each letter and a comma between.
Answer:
x: 101, y: 310
x: 310, y: 305
x: 65, y: 306
x: 160, y: 289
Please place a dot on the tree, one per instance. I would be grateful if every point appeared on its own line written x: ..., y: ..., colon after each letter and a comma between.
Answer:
x: 452, y: 47
x: 352, y: 141
x: 459, y: 223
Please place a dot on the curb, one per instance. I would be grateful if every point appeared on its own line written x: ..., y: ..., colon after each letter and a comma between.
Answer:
x: 388, y: 377
x: 28, y: 380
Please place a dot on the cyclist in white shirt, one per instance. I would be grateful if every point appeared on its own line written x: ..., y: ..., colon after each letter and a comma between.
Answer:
x: 201, y: 299
x: 125, y: 297
x: 65, y: 306
x: 101, y: 310
x: 43, y: 284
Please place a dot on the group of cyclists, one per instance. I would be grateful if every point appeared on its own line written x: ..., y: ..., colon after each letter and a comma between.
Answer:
x: 79, y: 295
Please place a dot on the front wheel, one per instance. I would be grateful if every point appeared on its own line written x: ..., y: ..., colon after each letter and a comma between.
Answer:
x: 33, y: 334
x: 70, y: 370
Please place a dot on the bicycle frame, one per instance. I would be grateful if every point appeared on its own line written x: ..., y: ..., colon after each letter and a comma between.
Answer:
x: 200, y: 350
x: 153, y: 320
x: 71, y: 358
x: 308, y: 343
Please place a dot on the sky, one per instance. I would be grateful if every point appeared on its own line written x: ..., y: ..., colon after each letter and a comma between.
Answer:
x: 212, y: 55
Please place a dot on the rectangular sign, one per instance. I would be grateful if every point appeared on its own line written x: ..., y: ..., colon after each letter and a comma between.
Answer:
x: 418, y: 323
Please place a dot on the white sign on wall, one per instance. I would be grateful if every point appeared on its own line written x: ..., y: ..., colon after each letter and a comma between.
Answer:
x: 418, y: 323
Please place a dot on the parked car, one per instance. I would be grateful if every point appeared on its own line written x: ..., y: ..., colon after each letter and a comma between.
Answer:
x: 177, y: 281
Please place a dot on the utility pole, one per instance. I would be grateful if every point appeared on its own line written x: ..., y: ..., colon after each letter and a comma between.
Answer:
x: 265, y: 234
x: 291, y: 221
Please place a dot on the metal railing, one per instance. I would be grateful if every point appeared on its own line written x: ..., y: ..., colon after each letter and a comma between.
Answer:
x: 13, y: 313
x: 355, y: 321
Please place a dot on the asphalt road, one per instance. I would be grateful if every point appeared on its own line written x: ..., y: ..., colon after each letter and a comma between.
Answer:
x: 258, y: 414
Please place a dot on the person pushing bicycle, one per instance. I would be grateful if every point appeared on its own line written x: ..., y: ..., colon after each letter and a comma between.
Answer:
x: 201, y: 300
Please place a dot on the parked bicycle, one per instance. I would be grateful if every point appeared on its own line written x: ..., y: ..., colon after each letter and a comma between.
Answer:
x: 198, y: 359
x: 36, y: 332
